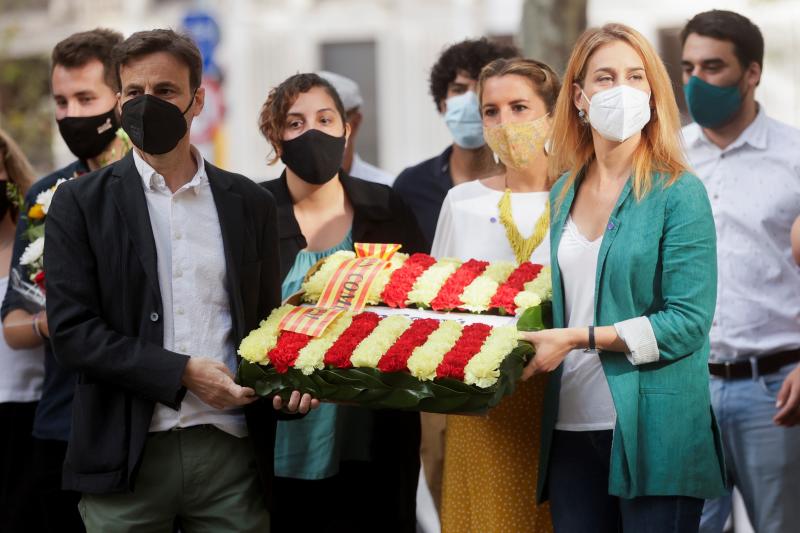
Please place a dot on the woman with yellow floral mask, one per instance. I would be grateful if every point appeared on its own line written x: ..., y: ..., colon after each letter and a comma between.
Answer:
x: 491, y: 461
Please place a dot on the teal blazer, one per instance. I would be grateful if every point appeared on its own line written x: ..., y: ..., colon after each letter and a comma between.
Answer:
x: 658, y: 260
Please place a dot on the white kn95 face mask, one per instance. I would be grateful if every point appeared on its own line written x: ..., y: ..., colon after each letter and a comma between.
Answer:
x: 619, y: 112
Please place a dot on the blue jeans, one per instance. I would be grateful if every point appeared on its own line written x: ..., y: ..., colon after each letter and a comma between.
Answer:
x: 579, y: 499
x: 763, y: 459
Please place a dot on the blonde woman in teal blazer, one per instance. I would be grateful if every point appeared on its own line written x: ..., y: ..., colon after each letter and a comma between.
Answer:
x: 628, y: 435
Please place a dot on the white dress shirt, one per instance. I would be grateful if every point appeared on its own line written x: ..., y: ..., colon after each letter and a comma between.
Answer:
x: 365, y: 171
x: 192, y: 278
x: 754, y: 189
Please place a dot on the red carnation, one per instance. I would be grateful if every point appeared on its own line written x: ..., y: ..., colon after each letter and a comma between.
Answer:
x: 396, y: 357
x: 362, y: 325
x: 470, y: 343
x: 449, y: 296
x: 39, y: 279
x: 285, y: 352
x: 504, y: 297
x: 402, y: 280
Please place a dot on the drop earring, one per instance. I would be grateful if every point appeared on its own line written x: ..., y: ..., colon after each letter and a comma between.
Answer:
x: 496, y: 159
x: 582, y: 116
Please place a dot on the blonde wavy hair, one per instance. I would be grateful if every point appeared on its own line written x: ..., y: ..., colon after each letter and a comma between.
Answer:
x: 660, y: 149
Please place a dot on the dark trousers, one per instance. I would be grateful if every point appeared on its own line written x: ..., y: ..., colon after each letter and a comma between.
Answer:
x: 199, y: 477
x: 356, y: 500
x: 383, y: 490
x: 18, y: 503
x: 58, y: 507
x: 579, y: 499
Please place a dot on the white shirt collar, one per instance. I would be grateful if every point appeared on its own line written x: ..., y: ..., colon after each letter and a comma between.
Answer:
x: 154, y: 181
x: 755, y: 134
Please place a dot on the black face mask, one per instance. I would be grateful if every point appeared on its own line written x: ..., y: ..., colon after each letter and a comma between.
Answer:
x: 154, y: 126
x: 314, y: 156
x: 87, y: 137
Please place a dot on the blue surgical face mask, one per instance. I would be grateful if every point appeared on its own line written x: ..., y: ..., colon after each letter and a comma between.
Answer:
x: 711, y: 105
x: 463, y: 118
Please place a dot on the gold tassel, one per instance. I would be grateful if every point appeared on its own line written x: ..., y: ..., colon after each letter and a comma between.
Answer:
x: 523, y: 248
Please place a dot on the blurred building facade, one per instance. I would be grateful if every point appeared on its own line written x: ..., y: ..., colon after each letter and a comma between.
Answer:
x: 388, y: 46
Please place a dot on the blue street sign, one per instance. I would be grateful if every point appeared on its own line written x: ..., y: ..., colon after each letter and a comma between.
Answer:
x: 203, y: 28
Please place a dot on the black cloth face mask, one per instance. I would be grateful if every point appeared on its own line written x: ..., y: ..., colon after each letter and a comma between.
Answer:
x: 314, y: 156
x: 154, y: 126
x: 87, y: 137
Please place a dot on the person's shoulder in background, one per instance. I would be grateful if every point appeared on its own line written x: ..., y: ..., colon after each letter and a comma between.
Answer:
x: 426, y: 171
x: 74, y: 169
x: 785, y: 139
x: 366, y: 171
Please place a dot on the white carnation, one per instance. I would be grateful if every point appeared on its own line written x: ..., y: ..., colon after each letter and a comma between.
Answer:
x: 45, y: 197
x: 526, y: 299
x: 33, y: 252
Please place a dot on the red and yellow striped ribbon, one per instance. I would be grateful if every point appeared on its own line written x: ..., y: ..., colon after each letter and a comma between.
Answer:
x: 346, y: 290
x: 348, y: 287
x: 373, y: 249
x: 310, y: 321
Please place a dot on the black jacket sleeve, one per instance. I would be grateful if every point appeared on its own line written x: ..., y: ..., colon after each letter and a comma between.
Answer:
x: 81, y: 336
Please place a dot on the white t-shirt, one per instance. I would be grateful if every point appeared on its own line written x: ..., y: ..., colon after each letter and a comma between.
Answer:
x: 585, y: 402
x: 469, y: 224
x: 21, y: 371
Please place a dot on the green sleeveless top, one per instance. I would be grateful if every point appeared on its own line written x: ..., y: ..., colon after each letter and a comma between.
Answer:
x: 313, y: 446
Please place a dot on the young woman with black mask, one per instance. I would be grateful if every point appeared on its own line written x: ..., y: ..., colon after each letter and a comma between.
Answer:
x: 337, y: 456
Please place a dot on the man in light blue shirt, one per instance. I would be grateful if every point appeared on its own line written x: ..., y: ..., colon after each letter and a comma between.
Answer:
x: 750, y: 164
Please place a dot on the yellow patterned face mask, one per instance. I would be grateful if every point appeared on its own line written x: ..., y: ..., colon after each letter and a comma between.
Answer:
x: 518, y: 143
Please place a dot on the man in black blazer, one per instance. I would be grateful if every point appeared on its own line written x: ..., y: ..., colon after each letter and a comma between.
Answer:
x: 84, y: 90
x: 157, y: 266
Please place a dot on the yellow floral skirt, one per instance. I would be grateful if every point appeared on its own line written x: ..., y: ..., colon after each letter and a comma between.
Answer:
x: 491, y: 466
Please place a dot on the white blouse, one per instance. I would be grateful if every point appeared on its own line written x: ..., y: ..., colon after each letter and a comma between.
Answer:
x: 469, y: 224
x: 585, y: 402
x: 21, y: 371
